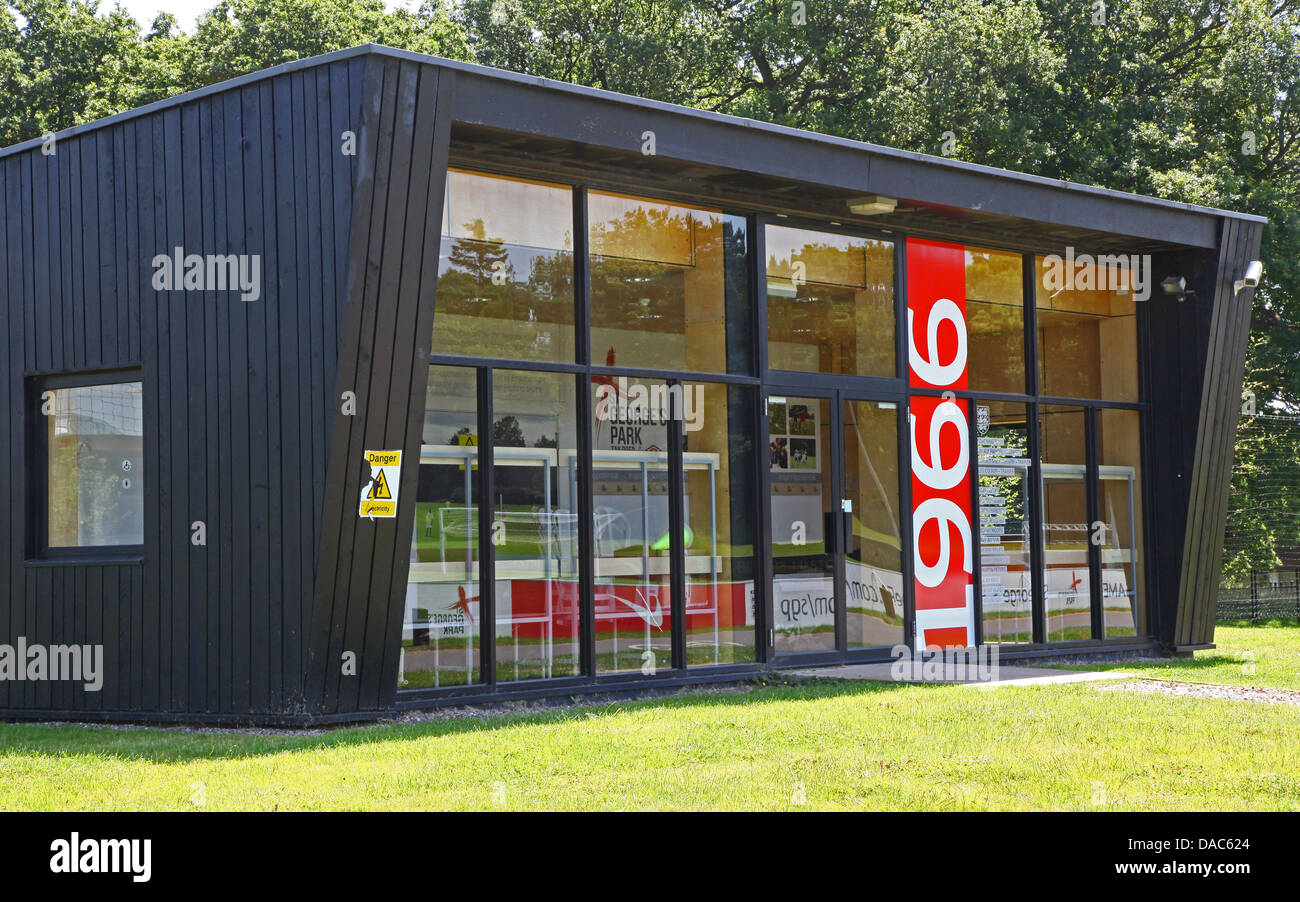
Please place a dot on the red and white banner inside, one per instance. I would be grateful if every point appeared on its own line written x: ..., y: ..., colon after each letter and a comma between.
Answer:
x: 942, y: 532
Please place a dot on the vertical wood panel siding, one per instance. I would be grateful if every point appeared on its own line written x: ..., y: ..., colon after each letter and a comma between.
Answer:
x: 236, y: 395
x: 1215, y: 442
x: 392, y: 274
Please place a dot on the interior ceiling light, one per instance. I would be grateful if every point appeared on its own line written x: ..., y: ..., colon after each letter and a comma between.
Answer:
x: 872, y: 204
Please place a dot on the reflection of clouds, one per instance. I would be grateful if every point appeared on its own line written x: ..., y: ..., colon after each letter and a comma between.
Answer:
x: 99, y: 410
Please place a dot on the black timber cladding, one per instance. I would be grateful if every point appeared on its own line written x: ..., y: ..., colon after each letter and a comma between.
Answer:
x: 394, y: 256
x: 236, y: 395
x: 242, y: 400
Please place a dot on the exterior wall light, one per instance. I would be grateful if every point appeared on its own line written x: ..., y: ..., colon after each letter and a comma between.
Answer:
x: 872, y: 204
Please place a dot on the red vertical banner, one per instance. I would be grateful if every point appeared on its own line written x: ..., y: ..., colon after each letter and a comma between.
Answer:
x: 942, y: 532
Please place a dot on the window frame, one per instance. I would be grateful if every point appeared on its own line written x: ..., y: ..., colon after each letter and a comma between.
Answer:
x: 39, y: 549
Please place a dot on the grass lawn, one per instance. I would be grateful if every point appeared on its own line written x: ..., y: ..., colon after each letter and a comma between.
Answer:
x: 828, y: 745
x: 1265, y: 654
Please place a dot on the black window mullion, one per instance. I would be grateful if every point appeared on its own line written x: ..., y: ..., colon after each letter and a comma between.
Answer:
x: 1092, y: 483
x: 486, y: 511
x: 903, y: 369
x: 834, y: 457
x: 1037, y: 561
x: 586, y: 531
x: 905, y: 522
x: 676, y: 530
x: 758, y: 290
x: 1029, y: 281
x: 764, y: 640
x: 586, y: 505
x: 581, y: 279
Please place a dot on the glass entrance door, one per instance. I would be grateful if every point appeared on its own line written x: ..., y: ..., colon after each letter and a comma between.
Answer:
x: 833, y: 510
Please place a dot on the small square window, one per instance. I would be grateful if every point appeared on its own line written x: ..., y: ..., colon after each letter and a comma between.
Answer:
x: 90, y: 462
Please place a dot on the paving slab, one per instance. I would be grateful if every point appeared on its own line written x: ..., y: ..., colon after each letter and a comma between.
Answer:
x: 1007, y: 675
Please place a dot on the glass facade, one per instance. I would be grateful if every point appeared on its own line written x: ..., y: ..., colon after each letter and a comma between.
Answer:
x: 1087, y: 330
x: 873, y: 577
x: 668, y: 286
x: 534, y: 531
x: 800, y: 506
x: 441, y: 633
x: 505, y: 272
x: 615, y: 428
x: 1067, y: 580
x: 1119, y: 455
x: 830, y: 303
x: 719, y: 521
x: 995, y: 320
x: 1005, y: 504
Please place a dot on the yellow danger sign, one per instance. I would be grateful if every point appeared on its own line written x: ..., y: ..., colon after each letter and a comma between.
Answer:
x: 379, y: 490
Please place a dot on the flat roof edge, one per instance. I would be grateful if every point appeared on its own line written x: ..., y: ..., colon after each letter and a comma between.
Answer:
x: 628, y: 99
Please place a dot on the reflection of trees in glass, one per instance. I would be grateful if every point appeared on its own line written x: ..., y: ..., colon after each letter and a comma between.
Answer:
x: 466, y: 288
x: 507, y: 433
x: 994, y: 276
x: 639, y: 274
x: 479, y: 257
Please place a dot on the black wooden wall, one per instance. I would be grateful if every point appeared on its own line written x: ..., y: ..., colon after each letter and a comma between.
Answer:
x: 1195, y: 354
x: 395, y: 245
x: 238, y: 397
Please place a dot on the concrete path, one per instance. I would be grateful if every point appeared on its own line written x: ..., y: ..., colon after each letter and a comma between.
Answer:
x: 1008, y: 675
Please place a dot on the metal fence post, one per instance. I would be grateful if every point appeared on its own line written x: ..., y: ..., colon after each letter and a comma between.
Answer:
x: 1254, y: 598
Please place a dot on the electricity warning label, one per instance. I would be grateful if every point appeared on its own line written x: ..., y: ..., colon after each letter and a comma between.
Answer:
x: 379, y: 486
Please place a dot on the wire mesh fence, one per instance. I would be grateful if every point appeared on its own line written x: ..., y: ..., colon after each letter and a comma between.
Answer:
x: 1260, y: 579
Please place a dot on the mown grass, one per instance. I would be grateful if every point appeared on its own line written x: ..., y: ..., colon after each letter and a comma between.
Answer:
x: 1264, y: 654
x: 827, y: 745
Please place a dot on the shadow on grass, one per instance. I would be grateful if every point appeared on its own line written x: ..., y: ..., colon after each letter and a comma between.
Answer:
x: 178, y: 745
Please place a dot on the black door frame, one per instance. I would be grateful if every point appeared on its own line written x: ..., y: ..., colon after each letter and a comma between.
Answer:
x: 835, y: 396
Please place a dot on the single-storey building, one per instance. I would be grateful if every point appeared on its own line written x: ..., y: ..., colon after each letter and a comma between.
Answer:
x: 376, y: 381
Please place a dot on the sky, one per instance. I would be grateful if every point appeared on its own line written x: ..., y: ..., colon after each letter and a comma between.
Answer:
x: 187, y: 11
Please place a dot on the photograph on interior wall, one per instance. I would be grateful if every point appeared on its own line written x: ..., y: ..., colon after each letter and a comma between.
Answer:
x: 672, y: 406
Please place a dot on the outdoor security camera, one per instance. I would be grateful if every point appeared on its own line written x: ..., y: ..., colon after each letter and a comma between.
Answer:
x: 1254, y: 272
x: 1176, y: 287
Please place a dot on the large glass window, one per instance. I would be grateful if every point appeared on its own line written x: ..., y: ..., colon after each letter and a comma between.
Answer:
x: 534, y: 524
x: 800, y: 504
x: 1087, y: 330
x: 94, y: 465
x: 995, y: 320
x: 505, y: 273
x: 830, y: 303
x: 873, y: 574
x: 633, y: 564
x: 441, y: 628
x: 1119, y: 452
x: 1066, y: 578
x: 668, y: 286
x: 718, y: 432
x: 1006, y: 580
